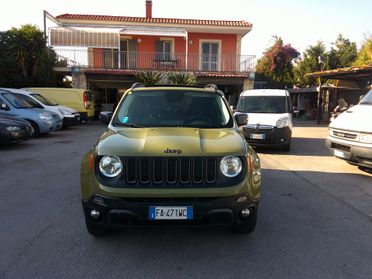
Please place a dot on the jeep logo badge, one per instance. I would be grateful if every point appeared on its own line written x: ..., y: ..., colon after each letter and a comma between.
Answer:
x: 172, y: 151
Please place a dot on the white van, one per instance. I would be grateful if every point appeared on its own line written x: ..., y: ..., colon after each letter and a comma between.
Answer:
x: 269, y: 117
x: 68, y: 115
x: 350, y: 134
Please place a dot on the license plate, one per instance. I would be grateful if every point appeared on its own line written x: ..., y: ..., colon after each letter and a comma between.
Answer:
x: 338, y: 153
x: 170, y: 212
x: 257, y: 136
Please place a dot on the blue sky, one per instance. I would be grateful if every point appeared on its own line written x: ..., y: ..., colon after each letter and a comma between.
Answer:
x: 299, y: 23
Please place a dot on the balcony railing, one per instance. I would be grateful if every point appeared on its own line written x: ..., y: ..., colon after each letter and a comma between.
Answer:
x: 114, y: 59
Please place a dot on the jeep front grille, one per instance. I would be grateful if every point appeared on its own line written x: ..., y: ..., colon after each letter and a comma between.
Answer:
x: 170, y: 171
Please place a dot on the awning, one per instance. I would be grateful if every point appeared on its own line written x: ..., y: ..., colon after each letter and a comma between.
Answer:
x: 154, y: 31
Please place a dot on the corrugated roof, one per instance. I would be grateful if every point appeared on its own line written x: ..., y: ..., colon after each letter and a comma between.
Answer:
x: 177, y: 21
x: 221, y: 75
x: 350, y: 72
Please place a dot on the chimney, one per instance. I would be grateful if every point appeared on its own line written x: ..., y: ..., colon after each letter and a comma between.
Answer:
x: 148, y: 8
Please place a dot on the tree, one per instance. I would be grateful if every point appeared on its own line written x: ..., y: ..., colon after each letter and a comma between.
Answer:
x: 309, y: 64
x: 182, y: 78
x: 275, y: 66
x: 25, y: 60
x: 149, y: 78
x: 342, y: 54
x: 364, y: 56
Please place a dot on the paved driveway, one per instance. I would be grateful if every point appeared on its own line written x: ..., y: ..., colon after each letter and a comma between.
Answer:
x: 314, y: 220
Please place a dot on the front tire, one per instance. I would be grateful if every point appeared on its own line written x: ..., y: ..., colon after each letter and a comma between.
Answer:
x: 35, y: 128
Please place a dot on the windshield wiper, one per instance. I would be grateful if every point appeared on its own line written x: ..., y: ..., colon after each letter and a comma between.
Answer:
x: 366, y: 103
x: 132, y: 125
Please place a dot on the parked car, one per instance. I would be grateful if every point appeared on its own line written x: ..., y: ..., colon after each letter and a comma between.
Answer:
x: 171, y: 156
x: 42, y: 121
x: 14, y: 130
x: 79, y: 99
x: 350, y: 134
x: 68, y: 115
x: 105, y: 116
x: 269, y: 117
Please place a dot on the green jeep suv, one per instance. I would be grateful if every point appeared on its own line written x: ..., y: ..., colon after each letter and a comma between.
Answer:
x: 173, y: 156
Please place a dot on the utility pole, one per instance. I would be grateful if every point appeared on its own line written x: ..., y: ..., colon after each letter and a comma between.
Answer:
x: 320, y: 101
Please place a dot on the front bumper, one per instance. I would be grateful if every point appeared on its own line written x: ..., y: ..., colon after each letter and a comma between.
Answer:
x: 70, y: 120
x: 270, y: 136
x: 116, y: 213
x: 356, y: 154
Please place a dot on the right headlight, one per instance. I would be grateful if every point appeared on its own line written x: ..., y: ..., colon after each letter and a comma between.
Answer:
x: 230, y: 166
x: 366, y: 138
x: 282, y: 122
x: 110, y: 166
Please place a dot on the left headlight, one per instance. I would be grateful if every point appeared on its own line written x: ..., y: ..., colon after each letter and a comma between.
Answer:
x: 13, y: 128
x: 282, y: 122
x: 366, y: 138
x: 45, y: 116
x: 110, y: 166
x: 230, y: 166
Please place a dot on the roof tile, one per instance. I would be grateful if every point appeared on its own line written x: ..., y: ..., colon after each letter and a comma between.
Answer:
x: 232, y: 23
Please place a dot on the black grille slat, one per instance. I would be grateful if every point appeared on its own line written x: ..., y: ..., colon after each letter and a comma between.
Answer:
x: 185, y: 170
x: 211, y: 171
x: 171, y: 170
x: 158, y: 171
x: 131, y: 171
x: 198, y: 171
x: 145, y: 171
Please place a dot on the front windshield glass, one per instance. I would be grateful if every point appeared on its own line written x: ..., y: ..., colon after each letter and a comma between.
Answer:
x: 263, y: 104
x: 173, y: 109
x: 16, y: 101
x: 367, y: 99
x: 44, y: 100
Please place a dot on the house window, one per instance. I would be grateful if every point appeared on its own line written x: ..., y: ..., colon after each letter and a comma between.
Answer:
x: 210, y: 56
x: 164, y: 50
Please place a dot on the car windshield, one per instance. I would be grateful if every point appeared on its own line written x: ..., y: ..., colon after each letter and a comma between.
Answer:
x: 29, y: 100
x: 173, y: 109
x: 16, y: 101
x: 367, y: 99
x: 44, y: 100
x: 263, y: 104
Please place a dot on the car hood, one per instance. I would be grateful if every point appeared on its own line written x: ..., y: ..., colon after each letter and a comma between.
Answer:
x: 357, y: 118
x: 12, y: 121
x: 171, y: 142
x: 265, y: 118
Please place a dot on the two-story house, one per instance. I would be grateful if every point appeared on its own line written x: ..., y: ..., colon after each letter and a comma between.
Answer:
x: 105, y: 53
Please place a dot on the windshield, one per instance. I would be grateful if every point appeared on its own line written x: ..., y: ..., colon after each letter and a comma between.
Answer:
x: 16, y: 101
x: 367, y: 99
x: 263, y: 104
x: 173, y: 109
x: 29, y: 100
x: 44, y: 100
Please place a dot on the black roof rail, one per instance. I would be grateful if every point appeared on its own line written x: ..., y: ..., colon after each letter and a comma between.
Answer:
x: 137, y: 85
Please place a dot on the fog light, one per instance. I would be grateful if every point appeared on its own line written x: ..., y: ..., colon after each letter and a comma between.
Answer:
x: 282, y: 140
x: 246, y: 212
x: 94, y: 214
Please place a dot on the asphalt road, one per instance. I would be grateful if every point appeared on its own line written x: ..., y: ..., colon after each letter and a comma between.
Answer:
x: 315, y: 220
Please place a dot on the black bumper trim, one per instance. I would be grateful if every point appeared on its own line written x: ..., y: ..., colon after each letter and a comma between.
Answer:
x: 272, y: 136
x: 119, y: 213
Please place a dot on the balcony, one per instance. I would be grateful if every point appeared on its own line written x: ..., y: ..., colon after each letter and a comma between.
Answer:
x: 151, y: 61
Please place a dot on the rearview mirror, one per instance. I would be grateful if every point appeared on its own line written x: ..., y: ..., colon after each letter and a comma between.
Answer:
x: 241, y: 119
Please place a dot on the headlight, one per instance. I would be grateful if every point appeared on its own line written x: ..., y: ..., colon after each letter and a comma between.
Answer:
x: 367, y: 138
x: 45, y: 116
x: 230, y: 166
x: 282, y: 122
x: 13, y: 128
x: 63, y: 111
x: 110, y: 166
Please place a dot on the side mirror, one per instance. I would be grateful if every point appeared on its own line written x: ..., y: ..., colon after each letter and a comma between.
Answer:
x: 4, y: 107
x: 105, y: 116
x: 241, y: 119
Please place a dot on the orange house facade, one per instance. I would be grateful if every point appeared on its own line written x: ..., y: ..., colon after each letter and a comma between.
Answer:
x: 105, y: 53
